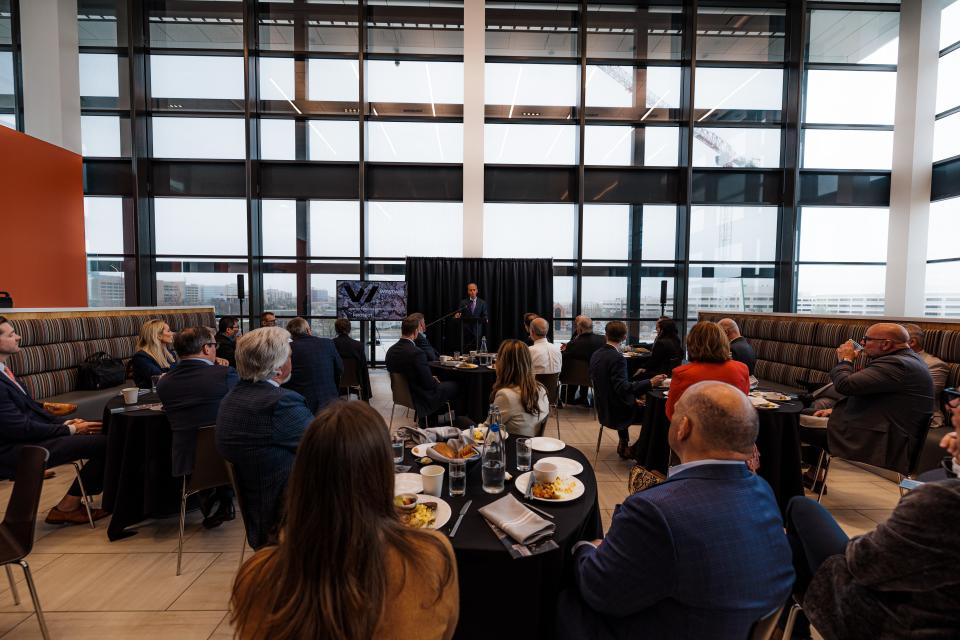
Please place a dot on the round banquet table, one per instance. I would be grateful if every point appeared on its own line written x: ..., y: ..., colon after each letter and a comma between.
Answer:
x: 138, y: 482
x: 521, y: 593
x: 473, y: 388
x: 636, y: 362
x: 778, y: 442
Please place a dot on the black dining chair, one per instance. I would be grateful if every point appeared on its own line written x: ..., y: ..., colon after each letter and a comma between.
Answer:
x: 209, y: 472
x: 20, y: 522
x: 232, y: 475
x: 577, y: 373
x: 350, y: 380
x: 402, y: 397
x: 551, y: 382
x: 763, y: 628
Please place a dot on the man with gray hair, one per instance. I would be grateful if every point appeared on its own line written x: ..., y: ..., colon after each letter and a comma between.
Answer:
x: 317, y: 366
x: 701, y: 555
x: 581, y: 348
x: 939, y: 370
x: 545, y: 356
x: 259, y: 427
x: 740, y: 349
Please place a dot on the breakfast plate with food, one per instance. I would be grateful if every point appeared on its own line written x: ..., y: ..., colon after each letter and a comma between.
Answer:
x: 565, y: 466
x: 481, y: 433
x: 562, y: 489
x: 466, y: 365
x: 422, y: 512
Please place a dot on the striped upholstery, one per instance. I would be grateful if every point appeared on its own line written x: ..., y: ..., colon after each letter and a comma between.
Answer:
x: 51, y: 349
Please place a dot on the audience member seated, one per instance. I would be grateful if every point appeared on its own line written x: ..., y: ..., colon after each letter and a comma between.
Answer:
x: 618, y: 399
x: 345, y: 566
x: 884, y: 405
x: 422, y: 341
x: 24, y: 422
x: 259, y: 427
x: 527, y: 319
x: 740, y: 349
x: 701, y: 555
x: 227, y: 332
x: 581, y: 348
x: 191, y: 393
x: 153, y: 356
x: 523, y: 401
x: 709, y: 352
x: 950, y: 443
x: 268, y: 319
x: 546, y: 356
x: 667, y: 351
x: 901, y: 580
x: 407, y: 359
x: 317, y: 366
x: 348, y: 348
x: 939, y: 370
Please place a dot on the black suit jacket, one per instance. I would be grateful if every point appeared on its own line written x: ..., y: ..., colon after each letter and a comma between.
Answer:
x: 474, y: 322
x: 23, y: 420
x: 615, y: 393
x: 347, y: 347
x: 317, y: 368
x: 666, y: 354
x: 409, y: 360
x: 424, y: 343
x: 226, y: 348
x: 191, y: 395
x: 887, y: 406
x: 583, y: 346
x: 741, y: 351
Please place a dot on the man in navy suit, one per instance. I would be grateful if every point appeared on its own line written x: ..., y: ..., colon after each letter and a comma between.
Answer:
x: 191, y: 393
x: 474, y: 316
x: 25, y: 422
x: 348, y: 348
x: 408, y: 360
x: 701, y: 555
x: 259, y: 427
x: 317, y: 366
x: 422, y: 341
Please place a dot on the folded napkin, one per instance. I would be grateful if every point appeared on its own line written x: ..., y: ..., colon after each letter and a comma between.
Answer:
x: 518, y: 522
x: 432, y: 434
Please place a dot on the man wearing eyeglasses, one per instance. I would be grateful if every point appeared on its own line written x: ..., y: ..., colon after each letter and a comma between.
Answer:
x: 886, y: 406
x: 191, y: 393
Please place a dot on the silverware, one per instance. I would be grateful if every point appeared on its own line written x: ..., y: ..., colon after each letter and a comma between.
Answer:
x: 463, y: 512
x: 528, y: 497
x: 540, y: 511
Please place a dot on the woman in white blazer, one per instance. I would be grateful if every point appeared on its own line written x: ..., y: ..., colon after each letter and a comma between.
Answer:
x: 522, y: 400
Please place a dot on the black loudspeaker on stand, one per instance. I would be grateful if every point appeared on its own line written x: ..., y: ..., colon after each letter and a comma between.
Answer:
x: 663, y: 297
x: 240, y: 296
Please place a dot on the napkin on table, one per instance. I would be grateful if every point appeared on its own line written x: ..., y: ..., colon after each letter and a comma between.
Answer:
x: 518, y: 522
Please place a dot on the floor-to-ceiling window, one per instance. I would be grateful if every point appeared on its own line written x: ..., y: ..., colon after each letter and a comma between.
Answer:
x: 10, y: 104
x: 943, y: 253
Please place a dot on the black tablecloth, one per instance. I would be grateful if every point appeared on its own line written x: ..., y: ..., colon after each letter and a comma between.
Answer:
x: 778, y: 442
x: 137, y: 478
x: 522, y: 593
x: 473, y: 389
x: 634, y: 363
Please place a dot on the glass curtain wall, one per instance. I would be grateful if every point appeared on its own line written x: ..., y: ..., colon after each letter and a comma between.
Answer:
x: 850, y: 79
x: 943, y: 257
x: 10, y: 95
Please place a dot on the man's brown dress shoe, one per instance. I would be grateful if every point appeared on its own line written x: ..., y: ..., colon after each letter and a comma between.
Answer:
x: 77, y: 516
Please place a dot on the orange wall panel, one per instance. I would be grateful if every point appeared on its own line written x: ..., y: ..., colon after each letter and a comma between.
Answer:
x: 42, y: 248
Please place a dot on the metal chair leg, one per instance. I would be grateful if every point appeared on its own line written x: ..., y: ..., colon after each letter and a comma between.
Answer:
x: 449, y: 415
x: 791, y: 620
x: 596, y: 454
x: 83, y: 495
x: 826, y: 471
x: 13, y: 585
x: 392, y: 410
x: 36, y: 600
x: 243, y: 549
x: 556, y: 412
x: 183, y: 515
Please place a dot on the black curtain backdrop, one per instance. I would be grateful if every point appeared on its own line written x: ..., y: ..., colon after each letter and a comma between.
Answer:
x: 435, y: 286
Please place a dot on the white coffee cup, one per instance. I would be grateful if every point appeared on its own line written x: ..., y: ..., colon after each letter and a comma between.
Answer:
x: 444, y: 358
x: 432, y: 479
x: 544, y: 472
x: 131, y: 395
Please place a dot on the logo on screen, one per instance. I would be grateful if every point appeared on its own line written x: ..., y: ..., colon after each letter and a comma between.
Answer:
x: 357, y: 296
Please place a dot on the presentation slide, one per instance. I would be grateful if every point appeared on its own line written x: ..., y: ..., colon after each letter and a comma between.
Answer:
x: 371, y: 300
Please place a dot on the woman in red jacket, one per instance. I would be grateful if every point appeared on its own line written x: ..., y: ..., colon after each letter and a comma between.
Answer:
x: 709, y: 352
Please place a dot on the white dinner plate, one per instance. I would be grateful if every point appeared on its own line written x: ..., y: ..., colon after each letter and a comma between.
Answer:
x: 407, y: 483
x: 443, y: 510
x: 420, y: 450
x: 521, y: 485
x: 565, y: 466
x: 546, y: 445
x: 468, y: 433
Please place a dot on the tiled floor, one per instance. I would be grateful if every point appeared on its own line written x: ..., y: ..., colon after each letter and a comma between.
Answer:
x: 92, y: 588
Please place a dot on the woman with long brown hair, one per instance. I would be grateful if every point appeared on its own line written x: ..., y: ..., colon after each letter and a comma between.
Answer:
x: 708, y: 350
x: 345, y: 567
x: 522, y: 400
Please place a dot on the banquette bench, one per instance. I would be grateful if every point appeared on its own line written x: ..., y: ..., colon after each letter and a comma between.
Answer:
x: 797, y: 348
x: 56, y: 341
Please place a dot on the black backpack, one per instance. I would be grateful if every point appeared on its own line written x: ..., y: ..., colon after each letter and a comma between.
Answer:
x: 100, y: 371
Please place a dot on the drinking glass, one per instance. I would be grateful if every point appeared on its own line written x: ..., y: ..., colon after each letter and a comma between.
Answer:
x: 153, y: 383
x: 458, y: 477
x: 456, y: 355
x: 397, y: 441
x: 524, y: 454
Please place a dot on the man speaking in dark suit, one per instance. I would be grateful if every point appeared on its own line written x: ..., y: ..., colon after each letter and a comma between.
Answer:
x: 317, y: 366
x: 474, y: 315
x: 191, y: 393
